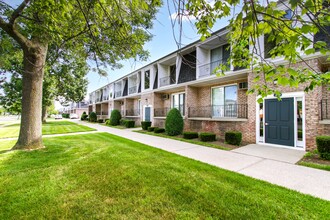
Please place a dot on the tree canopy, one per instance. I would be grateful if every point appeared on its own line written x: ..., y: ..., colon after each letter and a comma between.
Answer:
x: 295, y: 29
x: 105, y: 31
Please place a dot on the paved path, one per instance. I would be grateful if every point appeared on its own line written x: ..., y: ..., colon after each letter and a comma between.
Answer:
x: 303, y: 179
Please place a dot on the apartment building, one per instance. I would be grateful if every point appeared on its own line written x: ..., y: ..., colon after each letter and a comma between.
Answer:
x: 75, y: 108
x: 185, y: 80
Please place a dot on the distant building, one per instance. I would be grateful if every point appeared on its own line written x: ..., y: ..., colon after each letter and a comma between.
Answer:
x: 75, y: 108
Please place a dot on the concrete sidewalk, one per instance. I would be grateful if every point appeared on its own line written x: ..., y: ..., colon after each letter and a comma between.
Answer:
x: 303, y: 179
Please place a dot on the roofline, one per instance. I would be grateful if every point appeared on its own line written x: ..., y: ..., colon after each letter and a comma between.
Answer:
x: 170, y: 54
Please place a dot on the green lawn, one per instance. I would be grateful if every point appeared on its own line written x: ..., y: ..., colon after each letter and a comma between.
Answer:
x: 101, y: 176
x: 52, y: 127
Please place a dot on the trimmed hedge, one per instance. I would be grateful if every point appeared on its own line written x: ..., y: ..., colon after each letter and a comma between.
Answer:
x: 100, y: 121
x: 233, y: 137
x: 323, y: 146
x: 129, y: 123
x: 207, y: 136
x: 159, y: 130
x: 190, y: 135
x: 92, y: 117
x: 145, y: 124
x: 115, y: 117
x: 84, y: 116
x: 65, y: 115
x: 151, y: 128
x: 174, y: 122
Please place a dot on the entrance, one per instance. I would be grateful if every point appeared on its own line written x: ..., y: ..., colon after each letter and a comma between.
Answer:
x: 279, y: 121
x: 147, y: 113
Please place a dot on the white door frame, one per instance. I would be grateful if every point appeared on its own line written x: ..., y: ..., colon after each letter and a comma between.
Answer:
x: 144, y: 112
x: 299, y: 145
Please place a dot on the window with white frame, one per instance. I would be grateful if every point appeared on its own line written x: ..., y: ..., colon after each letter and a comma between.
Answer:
x: 224, y: 101
x: 178, y: 102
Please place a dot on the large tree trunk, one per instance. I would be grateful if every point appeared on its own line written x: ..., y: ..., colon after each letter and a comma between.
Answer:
x: 44, y: 114
x: 30, y: 135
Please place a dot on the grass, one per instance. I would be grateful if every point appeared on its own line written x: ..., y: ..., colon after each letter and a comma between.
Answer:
x: 192, y: 141
x: 313, y: 160
x: 52, y: 127
x: 102, y: 176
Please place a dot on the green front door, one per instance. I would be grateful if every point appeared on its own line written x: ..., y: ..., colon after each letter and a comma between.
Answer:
x: 279, y: 121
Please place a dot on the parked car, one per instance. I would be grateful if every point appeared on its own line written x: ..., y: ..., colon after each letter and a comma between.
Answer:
x: 73, y: 116
x: 58, y: 117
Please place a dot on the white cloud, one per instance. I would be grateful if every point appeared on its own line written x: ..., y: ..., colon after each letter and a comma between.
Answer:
x: 182, y: 16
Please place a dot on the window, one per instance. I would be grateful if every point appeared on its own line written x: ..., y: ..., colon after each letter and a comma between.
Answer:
x: 147, y: 79
x: 219, y: 55
x: 178, y: 102
x: 224, y: 101
x: 269, y: 44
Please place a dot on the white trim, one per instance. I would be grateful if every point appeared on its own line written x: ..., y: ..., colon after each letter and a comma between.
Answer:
x: 144, y: 112
x: 293, y: 95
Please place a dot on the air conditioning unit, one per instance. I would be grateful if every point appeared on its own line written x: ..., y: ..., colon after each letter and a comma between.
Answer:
x: 243, y: 85
x: 165, y: 96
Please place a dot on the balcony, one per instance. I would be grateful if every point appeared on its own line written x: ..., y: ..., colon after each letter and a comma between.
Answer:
x: 207, y: 69
x: 117, y: 94
x: 105, y: 98
x: 325, y: 109
x: 132, y: 90
x: 102, y: 113
x: 167, y: 80
x: 161, y: 112
x: 133, y: 112
x: 219, y: 111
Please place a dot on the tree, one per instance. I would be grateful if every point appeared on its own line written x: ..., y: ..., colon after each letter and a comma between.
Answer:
x: 297, y: 26
x: 103, y: 30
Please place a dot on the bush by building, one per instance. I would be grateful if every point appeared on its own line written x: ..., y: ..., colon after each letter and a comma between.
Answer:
x: 190, y: 135
x: 66, y: 115
x: 145, y: 124
x: 115, y: 117
x: 84, y: 116
x: 233, y: 137
x: 150, y: 129
x: 92, y: 117
x: 323, y: 146
x: 207, y: 136
x: 159, y: 130
x: 174, y: 122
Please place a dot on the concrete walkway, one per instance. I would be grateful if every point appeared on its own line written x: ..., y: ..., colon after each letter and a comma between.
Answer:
x: 283, y: 173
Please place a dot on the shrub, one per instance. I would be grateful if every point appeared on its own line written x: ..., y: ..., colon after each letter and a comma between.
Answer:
x: 151, y: 128
x: 115, y: 117
x: 233, y: 137
x: 323, y: 146
x: 174, y: 122
x: 190, y: 135
x: 92, y: 117
x: 145, y: 124
x: 107, y: 121
x: 159, y: 130
x: 65, y: 115
x: 84, y: 116
x: 207, y: 136
x: 129, y: 123
x: 100, y: 120
x: 122, y: 121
